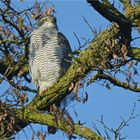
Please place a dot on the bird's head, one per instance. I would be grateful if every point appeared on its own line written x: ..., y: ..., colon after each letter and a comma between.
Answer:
x: 48, y: 21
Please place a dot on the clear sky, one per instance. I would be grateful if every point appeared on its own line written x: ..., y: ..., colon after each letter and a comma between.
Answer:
x: 112, y: 104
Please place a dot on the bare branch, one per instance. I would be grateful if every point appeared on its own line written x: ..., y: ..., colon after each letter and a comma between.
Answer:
x: 123, y: 124
x: 114, y: 81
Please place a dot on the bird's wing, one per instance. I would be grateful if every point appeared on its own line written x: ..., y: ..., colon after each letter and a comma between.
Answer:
x: 66, y: 50
x: 34, y: 57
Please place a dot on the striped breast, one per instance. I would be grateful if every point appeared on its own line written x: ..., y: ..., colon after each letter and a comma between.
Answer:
x: 45, y: 59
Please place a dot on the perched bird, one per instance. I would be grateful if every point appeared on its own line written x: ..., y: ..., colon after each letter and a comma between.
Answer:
x: 49, y: 50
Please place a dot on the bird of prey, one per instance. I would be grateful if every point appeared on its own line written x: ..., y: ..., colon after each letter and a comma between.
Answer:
x: 49, y: 54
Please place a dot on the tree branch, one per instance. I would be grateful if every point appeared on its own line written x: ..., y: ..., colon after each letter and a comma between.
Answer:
x: 127, y: 5
x: 109, y: 12
x: 13, y: 120
x: 47, y: 119
x: 115, y: 82
x: 130, y: 18
x: 14, y: 69
x: 9, y: 122
x: 136, y: 53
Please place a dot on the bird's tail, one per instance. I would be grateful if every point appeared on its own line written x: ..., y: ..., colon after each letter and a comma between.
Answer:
x: 52, y: 130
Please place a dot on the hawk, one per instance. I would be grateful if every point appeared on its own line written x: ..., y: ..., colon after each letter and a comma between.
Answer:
x: 49, y: 50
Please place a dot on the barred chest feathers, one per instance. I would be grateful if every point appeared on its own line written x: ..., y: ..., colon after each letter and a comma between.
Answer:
x: 46, y: 58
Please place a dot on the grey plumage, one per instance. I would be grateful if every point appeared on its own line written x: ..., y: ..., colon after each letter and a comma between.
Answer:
x: 48, y: 55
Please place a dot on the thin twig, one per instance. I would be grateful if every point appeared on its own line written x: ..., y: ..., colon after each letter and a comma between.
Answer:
x: 78, y: 41
x: 89, y: 25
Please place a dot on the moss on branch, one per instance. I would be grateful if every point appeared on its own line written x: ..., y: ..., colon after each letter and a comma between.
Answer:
x: 136, y: 53
x: 47, y: 119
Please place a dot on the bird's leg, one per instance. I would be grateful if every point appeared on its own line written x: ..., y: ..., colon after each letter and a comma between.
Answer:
x: 64, y: 118
x: 55, y: 110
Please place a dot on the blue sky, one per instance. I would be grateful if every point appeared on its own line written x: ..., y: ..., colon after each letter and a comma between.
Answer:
x: 112, y: 103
